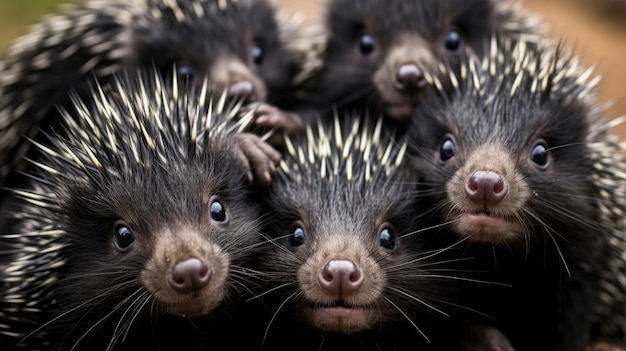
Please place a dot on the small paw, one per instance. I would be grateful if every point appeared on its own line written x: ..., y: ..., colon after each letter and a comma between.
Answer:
x: 259, y: 158
x: 268, y: 117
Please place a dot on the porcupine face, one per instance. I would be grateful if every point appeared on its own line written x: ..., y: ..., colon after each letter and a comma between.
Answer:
x: 167, y: 235
x: 504, y: 155
x: 236, y: 44
x: 380, y: 51
x: 153, y: 205
x: 343, y: 248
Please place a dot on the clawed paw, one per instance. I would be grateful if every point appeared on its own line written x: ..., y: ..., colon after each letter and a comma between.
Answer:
x: 260, y: 159
x: 281, y: 123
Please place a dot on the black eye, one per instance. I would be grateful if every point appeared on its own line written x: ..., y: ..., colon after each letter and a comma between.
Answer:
x: 539, y: 155
x: 297, y: 236
x: 387, y: 238
x: 218, y: 212
x: 184, y: 71
x: 452, y: 40
x: 447, y: 149
x: 256, y: 54
x: 123, y: 237
x: 367, y: 44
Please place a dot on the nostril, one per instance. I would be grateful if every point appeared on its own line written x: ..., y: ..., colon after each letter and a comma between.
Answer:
x: 498, y: 187
x: 471, y: 186
x: 328, y: 277
x: 410, y: 77
x: 356, y: 276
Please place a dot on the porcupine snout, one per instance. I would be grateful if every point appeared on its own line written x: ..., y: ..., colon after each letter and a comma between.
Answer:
x: 340, y: 277
x: 189, y: 275
x: 486, y: 188
x: 401, y: 78
x: 231, y: 73
x: 410, y: 78
x: 244, y: 89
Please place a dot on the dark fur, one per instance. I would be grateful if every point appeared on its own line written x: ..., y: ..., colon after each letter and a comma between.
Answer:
x: 350, y: 213
x: 347, y: 76
x: 556, y: 265
x: 78, y: 291
x: 231, y: 33
x: 132, y: 36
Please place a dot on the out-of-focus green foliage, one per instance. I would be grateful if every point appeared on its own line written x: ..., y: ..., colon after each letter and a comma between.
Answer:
x: 17, y: 15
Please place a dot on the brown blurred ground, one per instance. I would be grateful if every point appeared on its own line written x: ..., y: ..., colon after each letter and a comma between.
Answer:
x: 594, y: 28
x: 598, y: 27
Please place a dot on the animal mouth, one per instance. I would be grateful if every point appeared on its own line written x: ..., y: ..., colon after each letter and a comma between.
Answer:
x: 341, y: 309
x: 485, y: 217
x: 341, y: 316
x: 485, y: 225
x: 404, y: 109
x: 343, y: 313
x: 337, y: 304
x: 194, y: 307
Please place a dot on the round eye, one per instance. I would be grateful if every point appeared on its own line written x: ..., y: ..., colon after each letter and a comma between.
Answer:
x: 447, y: 150
x: 184, y: 71
x: 387, y: 238
x: 367, y: 44
x: 452, y: 40
x: 539, y: 155
x: 256, y: 54
x: 297, y: 236
x: 123, y: 237
x: 218, y: 212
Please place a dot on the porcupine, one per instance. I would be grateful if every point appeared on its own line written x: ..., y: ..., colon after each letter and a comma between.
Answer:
x: 519, y: 161
x: 249, y: 46
x: 343, y: 257
x: 137, y: 225
x: 377, y: 52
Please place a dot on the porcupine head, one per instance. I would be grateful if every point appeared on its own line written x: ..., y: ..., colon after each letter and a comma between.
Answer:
x: 505, y: 155
x: 343, y: 253
x: 244, y: 46
x: 154, y: 211
x: 512, y: 128
x: 379, y: 52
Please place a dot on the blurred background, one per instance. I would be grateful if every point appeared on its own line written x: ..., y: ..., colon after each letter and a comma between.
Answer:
x: 597, y: 28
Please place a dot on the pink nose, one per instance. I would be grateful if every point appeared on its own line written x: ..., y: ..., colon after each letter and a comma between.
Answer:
x: 341, y: 277
x: 485, y: 187
x: 189, y: 275
x: 410, y: 78
x: 243, y: 89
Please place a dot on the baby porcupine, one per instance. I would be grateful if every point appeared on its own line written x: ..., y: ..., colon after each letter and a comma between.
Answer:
x: 245, y: 45
x: 137, y: 224
x: 519, y: 162
x: 343, y: 259
x: 377, y: 52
